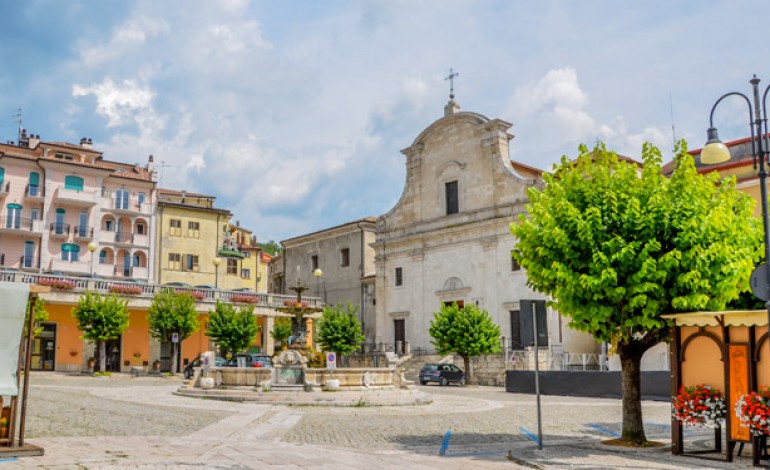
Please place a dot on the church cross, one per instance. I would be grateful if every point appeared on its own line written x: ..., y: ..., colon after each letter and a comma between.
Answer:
x: 451, y: 78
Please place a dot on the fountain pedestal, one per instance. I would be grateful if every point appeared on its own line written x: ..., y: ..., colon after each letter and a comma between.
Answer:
x: 289, y: 372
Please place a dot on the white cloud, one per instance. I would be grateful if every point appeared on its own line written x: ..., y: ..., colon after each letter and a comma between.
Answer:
x: 130, y: 35
x: 120, y: 103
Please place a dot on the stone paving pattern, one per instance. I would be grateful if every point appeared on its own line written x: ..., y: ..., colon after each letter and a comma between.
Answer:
x: 136, y: 423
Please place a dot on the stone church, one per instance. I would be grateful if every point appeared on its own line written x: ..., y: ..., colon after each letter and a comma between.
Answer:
x: 448, y: 240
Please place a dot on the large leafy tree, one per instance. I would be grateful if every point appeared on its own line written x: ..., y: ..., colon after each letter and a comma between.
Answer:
x: 615, y: 246
x: 169, y: 313
x: 339, y: 329
x: 467, y: 331
x: 100, y: 319
x: 233, y: 330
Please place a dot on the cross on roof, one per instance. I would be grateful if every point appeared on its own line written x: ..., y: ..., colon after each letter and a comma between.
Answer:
x: 451, y: 78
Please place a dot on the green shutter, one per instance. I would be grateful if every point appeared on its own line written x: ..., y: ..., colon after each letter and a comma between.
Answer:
x: 60, y: 211
x: 2, y: 174
x: 70, y: 247
x: 34, y: 179
x: 73, y: 182
x: 14, y: 206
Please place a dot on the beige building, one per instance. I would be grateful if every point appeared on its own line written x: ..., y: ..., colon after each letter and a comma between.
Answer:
x: 345, y: 260
x: 448, y: 239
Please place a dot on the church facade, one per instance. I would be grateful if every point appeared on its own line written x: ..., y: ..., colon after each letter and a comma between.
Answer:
x: 448, y: 240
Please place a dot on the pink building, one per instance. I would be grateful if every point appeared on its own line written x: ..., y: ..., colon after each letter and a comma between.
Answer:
x: 66, y: 210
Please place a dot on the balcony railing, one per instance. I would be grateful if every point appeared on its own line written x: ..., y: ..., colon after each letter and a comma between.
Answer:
x: 61, y: 230
x: 83, y: 231
x: 83, y: 284
x: 32, y: 191
x: 29, y: 262
x: 5, y: 188
x: 124, y: 237
x: 17, y: 223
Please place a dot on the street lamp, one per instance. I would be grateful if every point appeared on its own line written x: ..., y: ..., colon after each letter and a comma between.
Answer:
x: 92, y: 248
x: 216, y: 261
x: 716, y: 152
x: 317, y: 273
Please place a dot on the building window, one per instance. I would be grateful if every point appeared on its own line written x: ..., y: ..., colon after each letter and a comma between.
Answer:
x: 193, y: 229
x: 247, y: 254
x: 121, y: 199
x: 70, y: 252
x: 345, y: 255
x: 246, y: 273
x: 175, y: 228
x: 140, y: 198
x: 174, y: 261
x: 109, y: 225
x: 103, y: 257
x: 514, y: 265
x: 232, y: 266
x: 64, y: 156
x: 452, y: 200
x: 137, y: 260
x: 399, y: 277
x: 191, y: 263
x: 141, y: 229
x: 74, y: 183
x: 314, y: 262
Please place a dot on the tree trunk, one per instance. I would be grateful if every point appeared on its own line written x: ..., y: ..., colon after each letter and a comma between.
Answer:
x: 102, y: 356
x: 468, y: 372
x: 633, y: 425
x: 174, y: 353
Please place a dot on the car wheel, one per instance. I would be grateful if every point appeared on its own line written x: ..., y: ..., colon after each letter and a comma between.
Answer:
x: 443, y: 381
x: 423, y: 382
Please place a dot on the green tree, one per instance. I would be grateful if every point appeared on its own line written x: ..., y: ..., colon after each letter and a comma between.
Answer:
x: 271, y: 247
x: 281, y: 330
x: 101, y: 319
x: 467, y: 331
x: 41, y: 315
x: 615, y: 246
x: 339, y: 329
x: 233, y: 330
x: 170, y: 313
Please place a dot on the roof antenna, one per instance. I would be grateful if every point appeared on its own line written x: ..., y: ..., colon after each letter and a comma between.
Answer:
x: 162, y: 165
x: 19, y: 119
x: 673, y: 128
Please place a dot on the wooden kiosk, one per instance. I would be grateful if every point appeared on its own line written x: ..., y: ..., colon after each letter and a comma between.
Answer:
x: 11, y: 443
x: 728, y: 350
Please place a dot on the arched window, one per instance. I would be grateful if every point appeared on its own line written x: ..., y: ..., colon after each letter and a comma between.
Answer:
x: 34, y: 184
x: 73, y: 182
x: 13, y: 216
x: 103, y: 257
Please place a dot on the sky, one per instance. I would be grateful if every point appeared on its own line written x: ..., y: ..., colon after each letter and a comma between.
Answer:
x: 293, y: 113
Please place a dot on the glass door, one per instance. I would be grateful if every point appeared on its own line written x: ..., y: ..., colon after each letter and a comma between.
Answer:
x: 44, y: 348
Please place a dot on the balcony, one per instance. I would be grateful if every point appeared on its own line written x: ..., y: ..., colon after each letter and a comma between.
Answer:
x: 141, y: 240
x: 34, y: 193
x: 74, y: 267
x: 125, y: 238
x: 83, y: 232
x: 57, y: 230
x: 29, y: 263
x: 5, y: 188
x: 13, y: 225
x: 128, y: 207
x: 73, y: 197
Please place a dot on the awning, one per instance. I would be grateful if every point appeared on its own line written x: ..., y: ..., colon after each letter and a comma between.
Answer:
x: 728, y: 317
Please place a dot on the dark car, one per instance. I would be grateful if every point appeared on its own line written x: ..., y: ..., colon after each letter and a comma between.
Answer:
x: 444, y: 374
x: 251, y: 360
x: 188, y: 370
x: 182, y: 285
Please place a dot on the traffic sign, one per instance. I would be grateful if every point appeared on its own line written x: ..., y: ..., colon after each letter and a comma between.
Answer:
x: 758, y: 282
x: 331, y: 360
x: 174, y: 337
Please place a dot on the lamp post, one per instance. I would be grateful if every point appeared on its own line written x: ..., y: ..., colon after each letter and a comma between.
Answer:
x: 216, y: 262
x: 716, y: 152
x: 317, y: 273
x: 92, y: 248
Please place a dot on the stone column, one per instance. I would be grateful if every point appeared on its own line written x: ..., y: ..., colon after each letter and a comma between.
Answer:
x: 269, y: 345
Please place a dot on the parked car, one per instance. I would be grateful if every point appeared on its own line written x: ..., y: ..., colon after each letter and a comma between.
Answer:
x: 243, y: 289
x: 182, y: 285
x: 135, y: 280
x: 444, y: 374
x: 251, y: 360
x: 205, y: 286
x: 188, y: 370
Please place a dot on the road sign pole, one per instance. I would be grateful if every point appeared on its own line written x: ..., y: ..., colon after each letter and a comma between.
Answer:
x: 537, y: 378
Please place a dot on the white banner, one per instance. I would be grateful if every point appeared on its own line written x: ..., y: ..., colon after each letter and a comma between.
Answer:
x: 13, y: 307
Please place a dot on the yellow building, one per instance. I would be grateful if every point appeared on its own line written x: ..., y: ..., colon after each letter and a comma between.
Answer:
x: 247, y: 245
x: 194, y: 242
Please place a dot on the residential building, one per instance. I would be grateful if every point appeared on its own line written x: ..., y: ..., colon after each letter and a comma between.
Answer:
x: 263, y: 270
x: 67, y: 210
x: 247, y: 245
x: 196, y: 246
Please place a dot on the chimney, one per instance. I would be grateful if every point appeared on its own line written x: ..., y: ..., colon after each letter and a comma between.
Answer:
x: 23, y: 139
x: 86, y: 143
x: 34, y: 141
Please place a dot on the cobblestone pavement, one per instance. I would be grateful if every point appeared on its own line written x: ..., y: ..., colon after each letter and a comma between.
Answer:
x: 123, y: 422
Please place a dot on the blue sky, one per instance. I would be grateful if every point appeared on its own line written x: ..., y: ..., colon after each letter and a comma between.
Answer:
x: 294, y: 113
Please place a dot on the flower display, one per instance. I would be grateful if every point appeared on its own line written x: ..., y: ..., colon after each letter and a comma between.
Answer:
x: 295, y: 304
x: 57, y: 283
x: 700, y: 405
x: 244, y: 299
x: 124, y: 289
x: 753, y: 409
